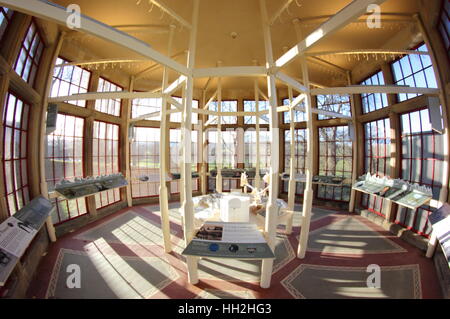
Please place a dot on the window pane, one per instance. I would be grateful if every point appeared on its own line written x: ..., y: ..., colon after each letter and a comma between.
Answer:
x: 105, y: 162
x: 334, y: 161
x: 67, y: 81
x: 15, y: 122
x: 65, y: 160
x: 334, y: 103
x: 144, y: 161
x: 113, y: 106
x: 415, y: 71
x: 28, y: 60
x: 420, y: 165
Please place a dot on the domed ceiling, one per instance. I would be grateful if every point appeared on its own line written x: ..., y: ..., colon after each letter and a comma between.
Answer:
x: 230, y: 32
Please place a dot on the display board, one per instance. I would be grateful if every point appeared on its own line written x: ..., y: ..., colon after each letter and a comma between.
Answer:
x: 440, y: 222
x: 399, y: 191
x: 319, y: 179
x: 229, y: 240
x: 237, y: 172
x: 17, y: 232
x: 82, y: 187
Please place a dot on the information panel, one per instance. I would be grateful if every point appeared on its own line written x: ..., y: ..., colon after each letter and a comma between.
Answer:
x: 17, y: 232
x: 229, y: 240
x: 440, y: 221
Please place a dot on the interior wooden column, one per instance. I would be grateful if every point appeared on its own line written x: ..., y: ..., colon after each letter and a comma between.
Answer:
x: 4, y: 85
x: 390, y: 208
x: 292, y: 171
x: 240, y: 151
x: 88, y: 133
x: 186, y: 169
x: 272, y: 209
x: 125, y: 149
x: 359, y: 147
x: 45, y: 78
x: 356, y: 162
x: 316, y: 142
x: 258, y: 147
x: 219, y: 143
x: 308, y: 192
x: 203, y: 155
x: 163, y: 170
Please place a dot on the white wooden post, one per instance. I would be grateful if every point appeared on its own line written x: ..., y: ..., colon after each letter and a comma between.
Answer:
x: 181, y: 159
x: 351, y: 205
x: 292, y: 182
x: 127, y: 144
x: 219, y: 148
x: 258, y: 147
x: 308, y: 193
x: 163, y: 191
x: 186, y: 168
x: 202, y: 153
x: 272, y: 210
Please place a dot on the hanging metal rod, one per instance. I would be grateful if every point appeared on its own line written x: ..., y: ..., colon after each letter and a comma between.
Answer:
x: 367, y: 51
x: 171, y: 13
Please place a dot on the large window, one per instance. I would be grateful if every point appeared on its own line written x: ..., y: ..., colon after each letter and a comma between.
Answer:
x: 300, y: 145
x: 15, y: 129
x: 70, y: 80
x: 145, y: 162
x: 334, y: 103
x: 64, y: 160
x: 335, y: 159
x: 226, y: 106
x: 105, y: 159
x: 377, y: 154
x: 229, y: 149
x: 27, y: 62
x: 176, y: 117
x: 110, y: 106
x: 175, y: 157
x: 229, y: 156
x: 415, y: 71
x: 146, y: 106
x: 250, y: 149
x: 250, y: 106
x: 299, y: 116
x: 5, y: 18
x: 373, y: 101
x: 422, y: 162
x: 444, y: 24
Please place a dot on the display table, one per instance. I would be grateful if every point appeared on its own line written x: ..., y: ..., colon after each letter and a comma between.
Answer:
x: 82, y: 187
x: 440, y: 223
x: 229, y: 240
x: 323, y: 180
x: 398, y: 191
x: 18, y: 231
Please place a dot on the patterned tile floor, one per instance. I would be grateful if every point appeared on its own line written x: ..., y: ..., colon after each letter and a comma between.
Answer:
x: 121, y: 256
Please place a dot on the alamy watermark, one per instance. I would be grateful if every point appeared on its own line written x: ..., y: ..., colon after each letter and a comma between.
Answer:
x: 374, y: 279
x: 74, y: 19
x: 374, y: 19
x: 73, y: 280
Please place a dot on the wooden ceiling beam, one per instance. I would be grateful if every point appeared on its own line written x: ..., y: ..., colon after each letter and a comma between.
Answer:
x: 351, y: 12
x: 55, y: 13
